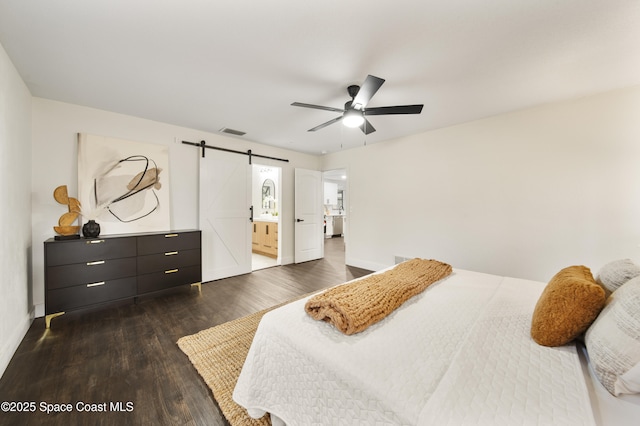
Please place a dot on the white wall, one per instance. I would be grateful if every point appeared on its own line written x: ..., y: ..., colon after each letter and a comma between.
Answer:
x: 15, y: 214
x: 521, y: 194
x: 55, y: 126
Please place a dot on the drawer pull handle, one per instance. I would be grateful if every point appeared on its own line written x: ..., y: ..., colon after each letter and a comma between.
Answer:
x: 97, y: 262
x: 95, y: 241
x: 96, y: 284
x: 170, y: 235
x: 171, y: 271
x: 170, y: 253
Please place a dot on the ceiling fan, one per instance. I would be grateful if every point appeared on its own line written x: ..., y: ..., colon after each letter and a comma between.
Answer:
x: 354, y: 111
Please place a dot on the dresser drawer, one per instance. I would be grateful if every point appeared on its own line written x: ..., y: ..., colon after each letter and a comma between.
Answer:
x: 87, y: 250
x: 90, y: 272
x: 69, y: 298
x: 169, y: 260
x: 169, y: 278
x: 162, y: 243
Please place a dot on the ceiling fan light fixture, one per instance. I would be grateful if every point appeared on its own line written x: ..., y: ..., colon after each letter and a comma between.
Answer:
x: 352, y: 118
x: 354, y: 110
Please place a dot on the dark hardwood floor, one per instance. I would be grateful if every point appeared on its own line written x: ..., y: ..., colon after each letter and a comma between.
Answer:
x: 128, y: 354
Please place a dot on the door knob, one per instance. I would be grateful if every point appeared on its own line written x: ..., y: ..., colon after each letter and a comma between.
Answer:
x: 299, y: 220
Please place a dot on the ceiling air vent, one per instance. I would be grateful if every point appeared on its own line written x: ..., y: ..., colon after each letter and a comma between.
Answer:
x: 232, y: 131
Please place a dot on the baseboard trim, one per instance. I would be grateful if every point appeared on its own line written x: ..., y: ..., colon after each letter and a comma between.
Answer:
x: 9, y: 348
x: 39, y: 311
x: 286, y: 260
x: 365, y: 264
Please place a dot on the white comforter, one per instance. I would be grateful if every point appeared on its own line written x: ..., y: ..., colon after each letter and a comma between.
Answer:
x: 459, y: 353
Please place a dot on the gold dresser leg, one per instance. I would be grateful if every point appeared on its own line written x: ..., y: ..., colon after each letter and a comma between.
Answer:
x: 199, y: 285
x: 48, y: 318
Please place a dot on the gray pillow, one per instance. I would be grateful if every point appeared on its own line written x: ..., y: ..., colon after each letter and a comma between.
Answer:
x: 613, y: 341
x: 614, y: 274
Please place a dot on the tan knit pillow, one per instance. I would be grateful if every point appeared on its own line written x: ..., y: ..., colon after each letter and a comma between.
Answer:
x: 568, y: 305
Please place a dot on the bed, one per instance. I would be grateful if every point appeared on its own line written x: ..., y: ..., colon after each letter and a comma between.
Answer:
x: 459, y: 352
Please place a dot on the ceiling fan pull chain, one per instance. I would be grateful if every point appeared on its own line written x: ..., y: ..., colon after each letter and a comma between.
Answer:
x: 365, y: 132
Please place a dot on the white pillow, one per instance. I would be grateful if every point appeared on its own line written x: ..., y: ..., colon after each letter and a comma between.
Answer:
x: 612, y: 275
x: 613, y: 341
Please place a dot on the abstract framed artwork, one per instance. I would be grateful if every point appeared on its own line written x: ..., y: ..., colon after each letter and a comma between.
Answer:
x: 123, y: 185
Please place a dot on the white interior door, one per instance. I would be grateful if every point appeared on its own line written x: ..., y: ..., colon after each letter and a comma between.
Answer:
x: 225, y: 200
x: 309, y: 238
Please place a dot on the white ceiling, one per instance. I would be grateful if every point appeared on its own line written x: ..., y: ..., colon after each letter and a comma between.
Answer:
x: 209, y: 64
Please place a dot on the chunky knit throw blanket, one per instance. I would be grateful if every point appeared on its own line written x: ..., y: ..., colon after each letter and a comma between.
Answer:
x: 354, y: 306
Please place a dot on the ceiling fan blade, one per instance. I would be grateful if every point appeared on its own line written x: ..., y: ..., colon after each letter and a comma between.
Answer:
x: 323, y: 125
x: 300, y: 104
x: 399, y: 109
x: 366, y: 127
x: 367, y: 90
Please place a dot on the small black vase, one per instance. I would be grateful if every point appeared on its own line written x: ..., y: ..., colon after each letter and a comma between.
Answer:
x: 91, y: 229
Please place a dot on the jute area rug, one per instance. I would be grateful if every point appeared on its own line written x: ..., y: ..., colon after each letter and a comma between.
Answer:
x: 218, y: 354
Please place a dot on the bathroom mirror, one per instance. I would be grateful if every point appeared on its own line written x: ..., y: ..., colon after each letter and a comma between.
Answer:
x: 268, y: 192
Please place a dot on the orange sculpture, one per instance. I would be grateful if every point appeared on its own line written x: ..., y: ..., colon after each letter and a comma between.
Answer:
x: 65, y: 223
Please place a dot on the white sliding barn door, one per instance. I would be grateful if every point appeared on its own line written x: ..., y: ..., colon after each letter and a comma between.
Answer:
x: 225, y: 200
x: 309, y: 237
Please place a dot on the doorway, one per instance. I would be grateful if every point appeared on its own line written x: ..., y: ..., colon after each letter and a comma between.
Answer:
x: 266, y: 200
x: 335, y: 204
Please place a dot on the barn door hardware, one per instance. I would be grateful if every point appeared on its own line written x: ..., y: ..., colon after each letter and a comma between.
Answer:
x: 202, y: 145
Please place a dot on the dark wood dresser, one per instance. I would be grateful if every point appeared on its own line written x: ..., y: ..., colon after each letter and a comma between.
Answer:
x: 88, y: 272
